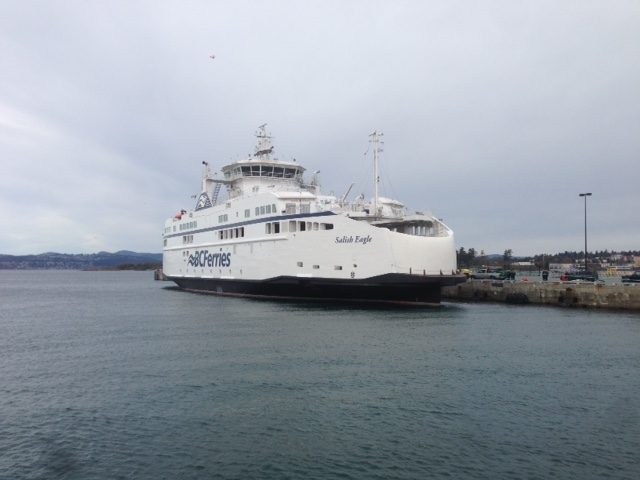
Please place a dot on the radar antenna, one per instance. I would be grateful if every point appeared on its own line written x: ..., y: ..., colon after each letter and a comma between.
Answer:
x: 264, y: 147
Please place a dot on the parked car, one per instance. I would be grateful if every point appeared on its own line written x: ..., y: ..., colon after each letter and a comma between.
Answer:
x: 489, y: 274
x: 585, y: 277
x: 465, y: 271
x: 633, y: 278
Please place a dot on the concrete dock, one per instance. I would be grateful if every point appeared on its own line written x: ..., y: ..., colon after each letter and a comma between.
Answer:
x: 563, y: 294
x: 159, y: 275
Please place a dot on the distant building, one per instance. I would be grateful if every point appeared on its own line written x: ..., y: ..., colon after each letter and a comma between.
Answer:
x: 561, y: 267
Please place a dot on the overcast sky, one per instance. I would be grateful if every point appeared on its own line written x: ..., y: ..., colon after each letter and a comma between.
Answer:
x: 495, y: 114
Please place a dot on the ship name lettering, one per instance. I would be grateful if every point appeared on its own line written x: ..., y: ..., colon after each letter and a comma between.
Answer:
x: 354, y: 239
x: 202, y: 258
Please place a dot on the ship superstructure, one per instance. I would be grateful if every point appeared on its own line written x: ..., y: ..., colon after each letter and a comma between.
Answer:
x: 275, y: 235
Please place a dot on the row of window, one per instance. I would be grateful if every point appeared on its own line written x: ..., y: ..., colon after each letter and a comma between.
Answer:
x: 264, y: 210
x: 229, y: 233
x: 188, y: 225
x: 295, y: 226
x: 316, y: 267
x: 271, y: 228
x: 290, y: 209
x: 264, y: 171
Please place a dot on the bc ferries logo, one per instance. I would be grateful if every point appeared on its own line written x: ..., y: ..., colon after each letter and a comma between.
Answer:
x: 202, y: 258
x: 203, y: 201
x: 354, y: 239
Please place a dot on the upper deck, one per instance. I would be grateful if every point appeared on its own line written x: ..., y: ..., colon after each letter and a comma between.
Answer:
x: 262, y: 180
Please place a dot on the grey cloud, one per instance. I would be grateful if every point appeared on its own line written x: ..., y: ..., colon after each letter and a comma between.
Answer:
x: 496, y: 115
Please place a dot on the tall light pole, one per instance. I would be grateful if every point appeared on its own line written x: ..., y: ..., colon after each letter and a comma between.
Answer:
x: 585, y: 195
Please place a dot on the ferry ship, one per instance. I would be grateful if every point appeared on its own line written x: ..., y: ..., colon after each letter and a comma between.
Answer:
x: 275, y: 235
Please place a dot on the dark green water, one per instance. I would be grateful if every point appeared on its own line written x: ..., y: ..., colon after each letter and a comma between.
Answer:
x: 111, y: 375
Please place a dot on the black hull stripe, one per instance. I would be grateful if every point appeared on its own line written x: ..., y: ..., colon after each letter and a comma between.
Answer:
x: 399, y: 289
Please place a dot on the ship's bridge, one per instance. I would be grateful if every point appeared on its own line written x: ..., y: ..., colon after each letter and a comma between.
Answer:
x: 252, y: 176
x: 263, y: 169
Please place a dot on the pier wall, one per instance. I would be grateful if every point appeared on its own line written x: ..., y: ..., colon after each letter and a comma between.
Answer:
x: 564, y: 294
x: 159, y: 275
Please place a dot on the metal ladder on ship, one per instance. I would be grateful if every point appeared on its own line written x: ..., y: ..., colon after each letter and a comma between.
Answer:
x: 216, y: 192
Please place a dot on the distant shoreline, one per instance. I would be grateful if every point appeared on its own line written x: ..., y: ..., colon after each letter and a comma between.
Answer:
x: 121, y: 260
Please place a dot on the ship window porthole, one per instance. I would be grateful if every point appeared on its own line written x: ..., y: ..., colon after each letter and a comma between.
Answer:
x: 316, y: 267
x: 338, y: 267
x: 300, y: 264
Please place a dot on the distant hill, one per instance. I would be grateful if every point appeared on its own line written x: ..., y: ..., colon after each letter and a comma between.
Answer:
x: 93, y: 261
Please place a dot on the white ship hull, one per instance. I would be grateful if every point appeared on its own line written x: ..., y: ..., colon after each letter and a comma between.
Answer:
x: 278, y: 243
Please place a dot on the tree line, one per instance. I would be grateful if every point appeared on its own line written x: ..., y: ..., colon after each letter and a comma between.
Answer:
x: 471, y: 258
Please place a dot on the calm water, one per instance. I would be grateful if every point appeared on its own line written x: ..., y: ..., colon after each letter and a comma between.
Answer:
x: 111, y: 375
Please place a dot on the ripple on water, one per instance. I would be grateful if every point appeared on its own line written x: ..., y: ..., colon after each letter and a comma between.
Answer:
x: 110, y: 375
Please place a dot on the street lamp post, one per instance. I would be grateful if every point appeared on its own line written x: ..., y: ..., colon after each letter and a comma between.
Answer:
x: 585, y: 195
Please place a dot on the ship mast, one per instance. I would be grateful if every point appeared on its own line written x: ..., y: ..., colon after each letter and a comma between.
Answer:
x: 375, y: 140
